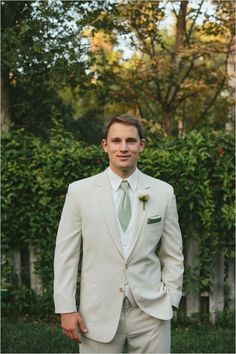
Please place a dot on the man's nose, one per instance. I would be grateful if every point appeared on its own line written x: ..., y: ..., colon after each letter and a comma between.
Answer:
x: 124, y: 146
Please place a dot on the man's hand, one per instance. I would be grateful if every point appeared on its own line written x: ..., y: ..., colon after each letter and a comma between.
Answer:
x: 70, y: 323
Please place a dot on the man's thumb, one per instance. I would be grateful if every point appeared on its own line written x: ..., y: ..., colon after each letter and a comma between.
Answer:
x: 82, y: 326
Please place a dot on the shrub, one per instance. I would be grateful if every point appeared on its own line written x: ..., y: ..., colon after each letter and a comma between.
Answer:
x: 35, y: 176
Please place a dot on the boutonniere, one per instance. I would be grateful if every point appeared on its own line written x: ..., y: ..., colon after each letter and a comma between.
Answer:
x: 144, y: 198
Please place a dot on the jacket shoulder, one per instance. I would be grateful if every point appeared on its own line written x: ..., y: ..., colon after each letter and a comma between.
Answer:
x: 85, y: 182
x: 157, y: 183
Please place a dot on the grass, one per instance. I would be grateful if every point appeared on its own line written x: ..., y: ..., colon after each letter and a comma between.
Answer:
x: 22, y: 336
x: 203, y: 338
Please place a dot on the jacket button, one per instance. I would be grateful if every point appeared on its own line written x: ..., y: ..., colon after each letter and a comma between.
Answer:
x: 121, y: 290
x: 126, y: 266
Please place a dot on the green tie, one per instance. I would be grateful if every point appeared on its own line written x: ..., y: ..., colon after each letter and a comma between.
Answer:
x: 124, y: 212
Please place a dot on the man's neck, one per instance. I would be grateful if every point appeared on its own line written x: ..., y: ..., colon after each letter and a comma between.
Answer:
x: 124, y: 173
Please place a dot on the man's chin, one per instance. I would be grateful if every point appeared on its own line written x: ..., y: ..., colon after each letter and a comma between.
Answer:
x: 127, y: 168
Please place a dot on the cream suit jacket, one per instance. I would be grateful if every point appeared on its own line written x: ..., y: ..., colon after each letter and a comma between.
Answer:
x: 154, y: 275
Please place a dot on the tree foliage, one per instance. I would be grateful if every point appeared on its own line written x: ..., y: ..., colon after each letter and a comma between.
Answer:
x: 40, y: 53
x: 169, y: 70
x: 70, y: 55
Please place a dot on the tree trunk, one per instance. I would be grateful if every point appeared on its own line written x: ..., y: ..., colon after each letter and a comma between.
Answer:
x: 193, y: 297
x: 5, y: 111
x: 216, y: 300
x: 176, y: 65
x: 167, y: 122
x: 231, y: 70
x: 231, y: 280
x: 180, y: 128
x: 35, y: 283
x: 16, y: 268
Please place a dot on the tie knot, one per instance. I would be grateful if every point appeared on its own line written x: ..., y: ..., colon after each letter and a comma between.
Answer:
x: 124, y: 186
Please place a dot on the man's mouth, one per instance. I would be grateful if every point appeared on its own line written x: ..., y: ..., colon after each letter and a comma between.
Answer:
x: 123, y: 157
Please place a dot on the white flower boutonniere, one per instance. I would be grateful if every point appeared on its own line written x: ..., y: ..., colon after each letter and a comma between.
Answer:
x: 144, y: 198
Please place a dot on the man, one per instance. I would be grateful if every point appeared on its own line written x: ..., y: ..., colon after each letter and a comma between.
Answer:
x: 132, y: 265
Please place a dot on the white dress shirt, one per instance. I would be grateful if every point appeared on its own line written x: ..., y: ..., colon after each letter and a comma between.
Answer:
x: 126, y: 237
x: 115, y: 181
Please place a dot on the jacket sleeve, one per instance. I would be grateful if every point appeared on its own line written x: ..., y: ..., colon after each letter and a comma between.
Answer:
x: 171, y: 253
x: 67, y: 255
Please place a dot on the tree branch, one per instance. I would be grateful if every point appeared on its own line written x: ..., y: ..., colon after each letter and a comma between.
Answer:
x: 176, y: 61
x: 209, y: 105
x: 189, y: 33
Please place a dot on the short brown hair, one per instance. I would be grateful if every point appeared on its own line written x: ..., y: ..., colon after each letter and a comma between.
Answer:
x: 126, y: 119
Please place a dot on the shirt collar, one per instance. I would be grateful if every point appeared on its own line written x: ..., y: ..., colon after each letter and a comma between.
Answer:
x: 116, y: 180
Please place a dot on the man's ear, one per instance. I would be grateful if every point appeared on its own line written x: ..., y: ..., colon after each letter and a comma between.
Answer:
x: 142, y: 144
x: 104, y: 144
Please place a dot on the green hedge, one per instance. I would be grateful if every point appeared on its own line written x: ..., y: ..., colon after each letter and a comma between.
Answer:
x: 36, y: 174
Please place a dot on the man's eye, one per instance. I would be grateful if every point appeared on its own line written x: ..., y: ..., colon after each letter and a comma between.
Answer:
x: 115, y: 141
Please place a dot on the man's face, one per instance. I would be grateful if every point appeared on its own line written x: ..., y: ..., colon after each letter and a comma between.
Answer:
x: 123, y: 146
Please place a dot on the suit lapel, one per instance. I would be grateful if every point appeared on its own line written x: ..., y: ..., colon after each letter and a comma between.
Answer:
x: 105, y: 200
x: 142, y: 189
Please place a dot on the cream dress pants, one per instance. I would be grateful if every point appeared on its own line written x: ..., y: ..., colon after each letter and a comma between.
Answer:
x: 141, y: 332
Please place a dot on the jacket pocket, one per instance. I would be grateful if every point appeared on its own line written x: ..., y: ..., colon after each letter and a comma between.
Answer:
x: 154, y: 219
